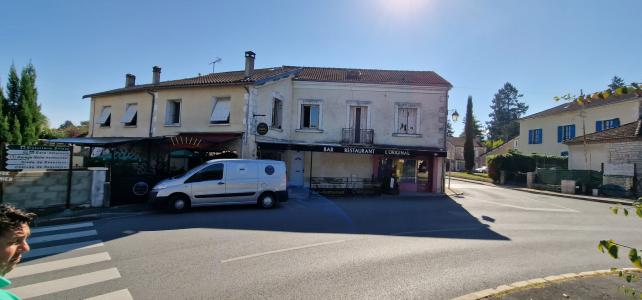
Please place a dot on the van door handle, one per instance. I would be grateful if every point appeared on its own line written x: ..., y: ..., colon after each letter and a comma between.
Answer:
x: 221, y: 183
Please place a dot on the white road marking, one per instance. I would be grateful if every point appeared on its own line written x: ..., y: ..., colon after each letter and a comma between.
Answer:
x: 61, y: 227
x: 63, y: 248
x: 63, y: 284
x: 117, y: 295
x: 58, y: 265
x: 531, y: 208
x: 62, y: 236
x: 280, y: 251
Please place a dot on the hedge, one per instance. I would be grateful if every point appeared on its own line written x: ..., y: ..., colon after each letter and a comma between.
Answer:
x: 514, y: 162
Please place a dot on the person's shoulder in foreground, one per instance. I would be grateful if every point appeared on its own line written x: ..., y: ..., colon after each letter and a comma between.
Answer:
x: 14, y: 231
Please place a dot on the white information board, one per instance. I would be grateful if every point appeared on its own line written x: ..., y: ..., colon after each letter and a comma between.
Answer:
x: 36, y: 157
x: 619, y: 169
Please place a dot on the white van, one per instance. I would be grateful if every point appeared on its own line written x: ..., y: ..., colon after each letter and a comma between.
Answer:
x: 224, y: 181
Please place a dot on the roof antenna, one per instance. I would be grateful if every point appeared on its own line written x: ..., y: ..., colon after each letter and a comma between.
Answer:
x: 217, y: 60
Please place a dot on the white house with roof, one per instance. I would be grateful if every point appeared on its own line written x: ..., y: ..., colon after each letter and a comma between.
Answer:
x: 545, y: 132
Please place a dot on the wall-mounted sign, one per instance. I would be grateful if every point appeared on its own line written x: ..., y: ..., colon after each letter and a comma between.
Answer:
x: 140, y: 188
x: 6, y: 176
x: 619, y: 170
x: 375, y: 150
x: 36, y: 157
x: 262, y: 128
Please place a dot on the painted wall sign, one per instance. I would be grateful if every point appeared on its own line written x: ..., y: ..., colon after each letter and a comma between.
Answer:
x: 262, y: 128
x: 36, y: 157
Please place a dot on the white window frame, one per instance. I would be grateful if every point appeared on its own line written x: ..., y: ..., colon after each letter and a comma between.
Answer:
x: 105, y: 114
x: 126, y: 119
x: 167, y: 116
x: 279, y: 114
x: 300, y: 115
x: 405, y: 105
x: 215, y: 102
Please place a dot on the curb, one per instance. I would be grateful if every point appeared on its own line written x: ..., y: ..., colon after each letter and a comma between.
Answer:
x: 527, y: 284
x: 608, y: 201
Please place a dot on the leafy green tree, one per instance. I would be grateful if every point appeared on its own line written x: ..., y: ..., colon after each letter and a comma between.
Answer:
x: 506, y: 109
x: 492, y: 144
x: 449, y: 129
x: 616, y: 82
x: 66, y: 124
x: 469, y: 131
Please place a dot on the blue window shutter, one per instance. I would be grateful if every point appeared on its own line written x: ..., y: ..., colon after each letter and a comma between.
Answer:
x: 572, y: 132
x: 598, y: 126
x: 560, y: 133
x: 539, y: 136
x: 530, y: 136
x: 616, y: 122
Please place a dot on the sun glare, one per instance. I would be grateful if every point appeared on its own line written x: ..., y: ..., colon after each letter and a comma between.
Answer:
x: 403, y: 8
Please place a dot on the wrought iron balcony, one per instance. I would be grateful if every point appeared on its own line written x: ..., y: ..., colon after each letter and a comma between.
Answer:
x: 353, y: 136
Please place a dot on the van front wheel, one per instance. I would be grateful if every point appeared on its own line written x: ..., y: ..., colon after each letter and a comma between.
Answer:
x: 267, y: 200
x: 178, y: 203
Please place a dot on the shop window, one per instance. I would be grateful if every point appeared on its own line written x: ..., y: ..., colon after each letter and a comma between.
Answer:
x: 173, y: 112
x: 105, y: 116
x: 309, y: 116
x: 277, y: 113
x: 220, y: 111
x: 405, y: 170
x: 131, y: 115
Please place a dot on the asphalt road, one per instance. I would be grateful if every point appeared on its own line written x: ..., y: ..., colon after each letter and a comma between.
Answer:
x: 351, y: 248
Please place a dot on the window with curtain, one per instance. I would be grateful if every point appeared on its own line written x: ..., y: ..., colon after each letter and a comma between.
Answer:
x: 535, y: 136
x: 173, y: 112
x: 565, y: 133
x: 407, y: 120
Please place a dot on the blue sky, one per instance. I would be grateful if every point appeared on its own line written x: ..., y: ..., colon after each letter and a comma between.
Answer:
x: 545, y: 48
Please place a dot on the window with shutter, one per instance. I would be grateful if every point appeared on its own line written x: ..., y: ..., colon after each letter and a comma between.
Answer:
x: 220, y: 111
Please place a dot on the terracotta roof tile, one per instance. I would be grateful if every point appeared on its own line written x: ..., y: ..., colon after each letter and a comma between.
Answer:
x: 574, y: 106
x: 626, y: 132
x: 415, y: 78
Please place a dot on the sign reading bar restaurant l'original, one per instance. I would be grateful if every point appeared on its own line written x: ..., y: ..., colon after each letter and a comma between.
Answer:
x: 359, y: 150
x: 36, y: 157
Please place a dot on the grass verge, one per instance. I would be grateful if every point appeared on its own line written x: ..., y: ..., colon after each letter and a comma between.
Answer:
x: 475, y: 176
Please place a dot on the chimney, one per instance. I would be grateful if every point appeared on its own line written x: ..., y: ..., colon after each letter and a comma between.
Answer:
x: 249, y: 63
x: 130, y: 80
x: 156, y: 74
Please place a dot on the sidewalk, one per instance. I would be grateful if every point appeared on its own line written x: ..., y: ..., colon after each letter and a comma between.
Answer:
x: 622, y: 201
x: 78, y: 214
x: 602, y: 284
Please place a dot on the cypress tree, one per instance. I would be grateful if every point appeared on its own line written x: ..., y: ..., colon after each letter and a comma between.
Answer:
x: 13, y: 91
x: 16, y: 137
x: 28, y: 109
x: 469, y: 131
x: 5, y: 136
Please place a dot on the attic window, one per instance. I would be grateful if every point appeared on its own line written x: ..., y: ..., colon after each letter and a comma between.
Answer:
x: 353, y: 75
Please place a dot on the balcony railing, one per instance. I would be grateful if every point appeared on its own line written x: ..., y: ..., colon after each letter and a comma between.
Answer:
x: 353, y: 136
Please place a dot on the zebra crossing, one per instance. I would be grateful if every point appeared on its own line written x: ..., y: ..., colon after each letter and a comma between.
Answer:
x: 66, y: 262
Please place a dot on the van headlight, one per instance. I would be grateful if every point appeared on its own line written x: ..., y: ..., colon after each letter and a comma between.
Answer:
x: 159, y: 187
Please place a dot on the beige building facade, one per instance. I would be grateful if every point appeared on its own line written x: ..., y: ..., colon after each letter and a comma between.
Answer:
x: 323, y: 122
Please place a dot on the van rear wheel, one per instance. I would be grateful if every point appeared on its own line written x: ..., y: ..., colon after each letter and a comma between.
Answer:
x: 267, y: 200
x: 178, y: 203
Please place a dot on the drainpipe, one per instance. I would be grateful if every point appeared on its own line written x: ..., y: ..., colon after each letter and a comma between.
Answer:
x: 443, y: 163
x: 247, y: 118
x: 151, y: 114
